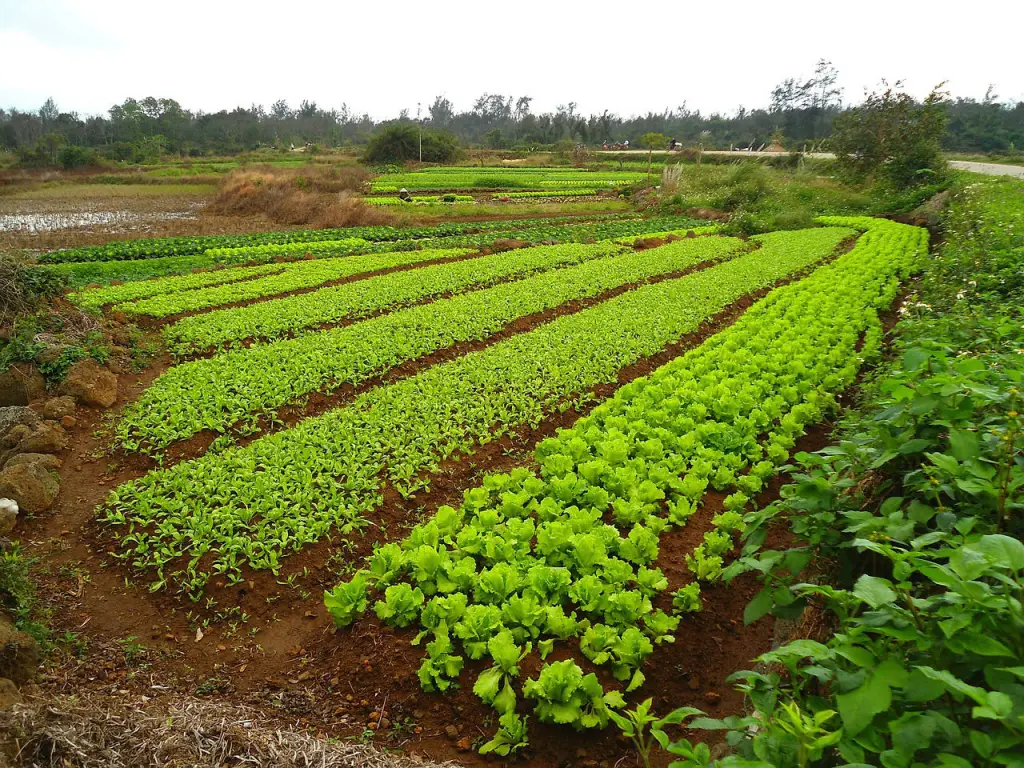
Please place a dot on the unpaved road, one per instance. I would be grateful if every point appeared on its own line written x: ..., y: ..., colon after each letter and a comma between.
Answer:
x: 989, y: 169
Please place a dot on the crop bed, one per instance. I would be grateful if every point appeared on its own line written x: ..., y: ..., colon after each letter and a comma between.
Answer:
x: 330, y: 423
x: 521, y: 179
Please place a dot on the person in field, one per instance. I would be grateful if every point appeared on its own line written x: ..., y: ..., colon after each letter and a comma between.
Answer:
x: 404, y: 196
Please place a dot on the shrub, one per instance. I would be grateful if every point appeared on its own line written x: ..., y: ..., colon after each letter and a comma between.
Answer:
x: 22, y: 286
x: 74, y: 156
x: 401, y: 143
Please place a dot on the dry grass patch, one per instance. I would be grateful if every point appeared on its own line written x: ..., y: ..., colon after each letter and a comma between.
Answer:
x: 93, y: 731
x: 313, y: 196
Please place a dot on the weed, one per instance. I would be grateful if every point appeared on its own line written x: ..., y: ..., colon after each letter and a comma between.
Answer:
x: 135, y: 653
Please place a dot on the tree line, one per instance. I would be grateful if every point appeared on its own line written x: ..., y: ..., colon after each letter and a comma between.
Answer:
x: 800, y: 114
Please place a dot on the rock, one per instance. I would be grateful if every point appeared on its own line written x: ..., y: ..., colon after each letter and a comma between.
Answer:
x: 15, y: 435
x: 19, y: 655
x: 48, y: 461
x: 20, y: 384
x: 9, y: 693
x: 31, y: 486
x: 46, y: 437
x: 49, y: 355
x: 14, y: 415
x: 452, y: 732
x: 68, y: 421
x: 90, y: 384
x: 8, y: 515
x: 58, y: 407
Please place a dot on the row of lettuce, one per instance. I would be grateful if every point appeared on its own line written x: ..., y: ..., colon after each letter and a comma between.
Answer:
x: 357, y: 240
x: 193, y: 245
x: 190, y: 292
x: 252, y: 505
x: 536, y: 179
x: 237, y: 387
x: 915, y: 516
x: 535, y: 558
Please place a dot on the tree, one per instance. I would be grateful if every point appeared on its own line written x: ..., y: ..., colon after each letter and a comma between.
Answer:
x: 441, y: 112
x: 48, y: 113
x: 280, y: 110
x: 893, y: 137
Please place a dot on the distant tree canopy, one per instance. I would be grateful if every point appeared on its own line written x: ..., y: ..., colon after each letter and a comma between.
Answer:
x: 801, y: 109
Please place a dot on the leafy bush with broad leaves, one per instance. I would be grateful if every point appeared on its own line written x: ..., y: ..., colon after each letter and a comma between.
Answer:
x: 919, y: 505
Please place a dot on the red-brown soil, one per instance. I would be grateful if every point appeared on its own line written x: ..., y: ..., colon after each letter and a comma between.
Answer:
x: 286, y: 657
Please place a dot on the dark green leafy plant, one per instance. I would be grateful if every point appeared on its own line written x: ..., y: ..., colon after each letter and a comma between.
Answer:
x: 919, y: 509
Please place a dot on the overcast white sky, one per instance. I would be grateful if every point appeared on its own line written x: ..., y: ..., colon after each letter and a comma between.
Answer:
x: 379, y: 56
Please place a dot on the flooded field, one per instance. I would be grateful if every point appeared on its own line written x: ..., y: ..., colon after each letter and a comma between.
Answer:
x: 111, y: 220
x: 39, y: 218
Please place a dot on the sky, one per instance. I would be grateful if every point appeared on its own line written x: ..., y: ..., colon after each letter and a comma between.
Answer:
x: 380, y: 57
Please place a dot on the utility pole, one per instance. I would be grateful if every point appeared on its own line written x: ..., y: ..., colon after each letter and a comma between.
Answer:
x: 419, y: 109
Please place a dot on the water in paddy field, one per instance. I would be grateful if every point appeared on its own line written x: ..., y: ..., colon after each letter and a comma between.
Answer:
x: 50, y: 222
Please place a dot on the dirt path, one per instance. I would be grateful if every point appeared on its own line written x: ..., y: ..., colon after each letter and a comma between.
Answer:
x: 988, y: 169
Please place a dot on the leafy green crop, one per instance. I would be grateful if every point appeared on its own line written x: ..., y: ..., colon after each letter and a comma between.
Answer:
x: 292, y: 277
x: 252, y: 505
x: 303, y: 238
x: 277, y: 317
x: 568, y: 697
x: 222, y: 391
x: 713, y: 415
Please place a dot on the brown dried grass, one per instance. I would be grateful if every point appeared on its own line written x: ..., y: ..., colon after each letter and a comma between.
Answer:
x: 315, y: 196
x: 93, y: 731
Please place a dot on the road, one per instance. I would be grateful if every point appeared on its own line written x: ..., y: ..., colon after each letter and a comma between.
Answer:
x: 988, y: 169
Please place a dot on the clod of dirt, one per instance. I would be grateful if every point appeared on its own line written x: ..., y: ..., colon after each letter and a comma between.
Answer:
x: 19, y: 655
x: 451, y: 732
x: 90, y: 384
x: 9, y: 694
x: 713, y: 698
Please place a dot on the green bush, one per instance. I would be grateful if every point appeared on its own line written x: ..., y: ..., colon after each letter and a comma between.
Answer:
x: 22, y: 286
x: 401, y: 143
x: 915, y: 515
x: 74, y: 156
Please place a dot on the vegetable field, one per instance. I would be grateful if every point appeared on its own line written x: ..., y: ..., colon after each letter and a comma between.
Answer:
x: 515, y: 455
